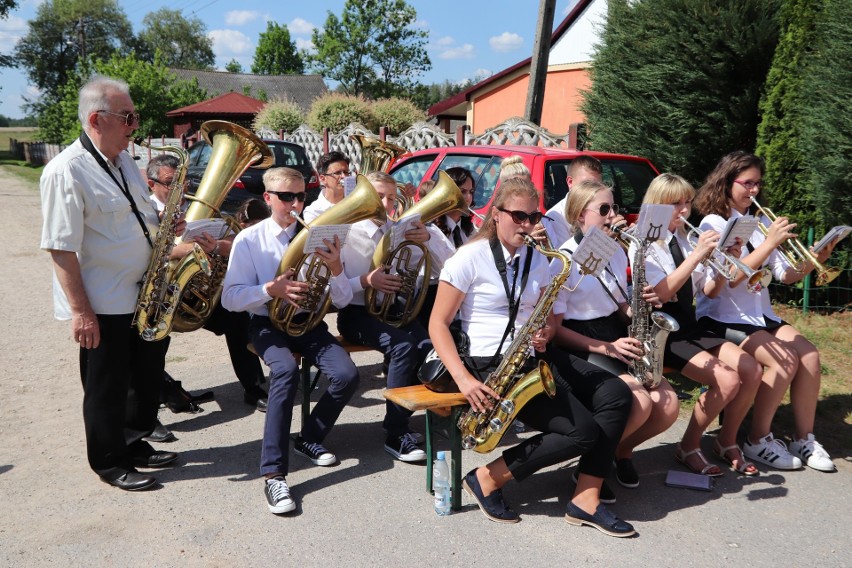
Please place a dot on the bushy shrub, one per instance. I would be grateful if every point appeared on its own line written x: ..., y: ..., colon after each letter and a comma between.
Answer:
x: 279, y: 115
x: 397, y: 114
x: 336, y: 111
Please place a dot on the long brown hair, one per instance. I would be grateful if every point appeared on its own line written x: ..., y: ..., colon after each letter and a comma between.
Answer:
x: 713, y: 196
x: 513, y: 187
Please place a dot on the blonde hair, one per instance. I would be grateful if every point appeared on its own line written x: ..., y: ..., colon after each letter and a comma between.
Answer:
x: 273, y: 176
x: 380, y: 177
x: 513, y: 167
x: 426, y: 187
x: 668, y: 188
x: 512, y: 187
x: 579, y: 198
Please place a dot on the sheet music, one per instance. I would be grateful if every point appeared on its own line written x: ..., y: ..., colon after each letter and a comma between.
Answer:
x: 349, y: 183
x: 399, y: 228
x: 594, y: 252
x: 216, y: 228
x: 653, y: 221
x: 316, y: 235
x: 837, y: 233
x: 742, y: 227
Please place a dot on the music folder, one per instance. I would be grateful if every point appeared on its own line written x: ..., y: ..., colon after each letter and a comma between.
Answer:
x: 688, y: 480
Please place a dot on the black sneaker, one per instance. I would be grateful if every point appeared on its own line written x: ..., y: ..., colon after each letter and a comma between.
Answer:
x: 315, y: 452
x: 603, y: 520
x: 493, y: 506
x: 606, y: 494
x: 278, y: 495
x: 625, y: 473
x: 404, y: 448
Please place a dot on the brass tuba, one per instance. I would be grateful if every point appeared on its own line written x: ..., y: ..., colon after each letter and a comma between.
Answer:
x: 377, y: 156
x: 408, y: 258
x: 362, y: 203
x: 233, y: 150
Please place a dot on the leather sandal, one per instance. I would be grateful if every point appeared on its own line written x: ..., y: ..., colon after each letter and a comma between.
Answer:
x: 709, y: 469
x: 744, y: 468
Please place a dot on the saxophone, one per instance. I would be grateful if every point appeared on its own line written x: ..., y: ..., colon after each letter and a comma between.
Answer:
x: 162, y: 287
x: 650, y: 328
x: 482, y: 431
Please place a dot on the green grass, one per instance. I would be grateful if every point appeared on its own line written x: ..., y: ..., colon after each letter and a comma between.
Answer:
x: 18, y: 167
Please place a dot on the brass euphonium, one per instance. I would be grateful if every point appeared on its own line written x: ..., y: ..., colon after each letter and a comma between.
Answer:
x: 377, y: 156
x: 794, y: 251
x: 233, y: 150
x: 409, y: 259
x: 363, y: 203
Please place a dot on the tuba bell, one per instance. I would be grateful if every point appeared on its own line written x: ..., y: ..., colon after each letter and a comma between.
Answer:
x: 363, y: 203
x: 233, y: 150
x: 377, y: 156
x: 408, y: 258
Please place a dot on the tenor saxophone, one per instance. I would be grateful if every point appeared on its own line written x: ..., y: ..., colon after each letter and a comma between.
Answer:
x: 482, y: 431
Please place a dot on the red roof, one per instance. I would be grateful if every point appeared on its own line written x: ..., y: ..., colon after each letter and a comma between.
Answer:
x: 458, y: 98
x: 229, y: 103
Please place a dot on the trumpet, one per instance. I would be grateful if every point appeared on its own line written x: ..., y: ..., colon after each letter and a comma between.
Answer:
x: 794, y: 252
x: 757, y: 280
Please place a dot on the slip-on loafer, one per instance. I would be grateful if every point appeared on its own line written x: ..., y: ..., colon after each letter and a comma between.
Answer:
x: 492, y: 506
x: 256, y: 397
x: 156, y: 459
x: 160, y: 434
x: 603, y: 520
x: 132, y: 481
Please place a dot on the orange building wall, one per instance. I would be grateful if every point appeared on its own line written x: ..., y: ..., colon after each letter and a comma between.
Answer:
x: 561, y: 101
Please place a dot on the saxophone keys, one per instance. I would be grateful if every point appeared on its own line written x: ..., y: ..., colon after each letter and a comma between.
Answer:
x: 507, y: 406
x: 495, y: 425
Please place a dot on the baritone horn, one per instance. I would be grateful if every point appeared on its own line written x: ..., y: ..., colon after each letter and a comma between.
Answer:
x: 363, y: 203
x: 377, y: 156
x: 756, y: 280
x: 794, y: 252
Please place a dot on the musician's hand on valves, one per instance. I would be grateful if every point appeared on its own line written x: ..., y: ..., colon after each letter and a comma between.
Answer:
x: 541, y: 337
x: 651, y: 297
x: 383, y: 281
x: 780, y: 230
x: 206, y: 242
x: 180, y: 226
x: 85, y: 328
x: 618, y: 222
x: 539, y: 233
x: 479, y: 395
x: 331, y: 255
x: 284, y: 287
x: 625, y: 349
x: 418, y: 233
x: 707, y: 243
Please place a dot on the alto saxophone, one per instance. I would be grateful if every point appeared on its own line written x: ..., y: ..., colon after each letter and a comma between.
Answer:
x: 482, y: 431
x: 162, y: 286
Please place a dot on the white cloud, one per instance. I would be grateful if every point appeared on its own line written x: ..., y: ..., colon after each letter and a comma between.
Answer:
x: 466, y: 51
x: 228, y: 43
x: 300, y: 27
x: 506, y: 41
x: 445, y: 41
x: 306, y: 45
x: 240, y: 17
x: 11, y: 30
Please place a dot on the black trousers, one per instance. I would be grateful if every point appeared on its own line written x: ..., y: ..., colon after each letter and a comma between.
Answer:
x: 234, y: 326
x: 122, y: 379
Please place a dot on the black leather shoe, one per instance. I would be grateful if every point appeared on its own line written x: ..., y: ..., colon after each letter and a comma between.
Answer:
x: 492, y: 506
x: 132, y: 481
x: 160, y: 434
x: 603, y: 520
x: 157, y: 459
x: 256, y: 397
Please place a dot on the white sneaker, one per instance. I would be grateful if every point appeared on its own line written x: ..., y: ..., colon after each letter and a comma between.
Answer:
x: 278, y: 496
x: 771, y: 452
x: 812, y: 454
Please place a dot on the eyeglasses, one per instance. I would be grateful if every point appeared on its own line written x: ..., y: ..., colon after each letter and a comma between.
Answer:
x: 338, y: 174
x: 749, y: 185
x: 130, y: 118
x: 520, y: 217
x: 288, y: 197
x: 605, y: 208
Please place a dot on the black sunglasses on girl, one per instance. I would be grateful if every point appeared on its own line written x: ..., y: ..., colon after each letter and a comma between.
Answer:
x: 288, y: 197
x: 603, y: 211
x: 520, y: 216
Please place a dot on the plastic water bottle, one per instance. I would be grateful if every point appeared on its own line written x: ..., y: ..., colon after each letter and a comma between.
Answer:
x: 441, y: 484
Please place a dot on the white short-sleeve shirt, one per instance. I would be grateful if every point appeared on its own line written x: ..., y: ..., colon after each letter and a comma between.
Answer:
x: 589, y: 300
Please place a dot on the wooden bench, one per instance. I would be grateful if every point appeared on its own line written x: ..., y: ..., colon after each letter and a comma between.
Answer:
x: 442, y: 415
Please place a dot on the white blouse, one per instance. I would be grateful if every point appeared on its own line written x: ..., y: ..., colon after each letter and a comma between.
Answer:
x: 590, y: 300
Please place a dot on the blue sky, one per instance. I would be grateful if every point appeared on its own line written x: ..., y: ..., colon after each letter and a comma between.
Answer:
x: 467, y: 38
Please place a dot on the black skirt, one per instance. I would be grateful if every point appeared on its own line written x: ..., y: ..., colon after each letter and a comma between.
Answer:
x: 607, y: 328
x: 736, y: 333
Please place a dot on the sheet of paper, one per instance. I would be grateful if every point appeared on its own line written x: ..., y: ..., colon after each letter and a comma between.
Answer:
x: 594, y: 252
x: 316, y: 236
x: 653, y: 221
x: 216, y: 228
x: 399, y: 228
x: 742, y: 227
x: 837, y: 233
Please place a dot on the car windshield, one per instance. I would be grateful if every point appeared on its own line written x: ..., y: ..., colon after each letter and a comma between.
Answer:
x: 485, y: 170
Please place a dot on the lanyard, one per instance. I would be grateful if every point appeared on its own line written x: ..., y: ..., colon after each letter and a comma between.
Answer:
x: 90, y: 147
x: 500, y: 262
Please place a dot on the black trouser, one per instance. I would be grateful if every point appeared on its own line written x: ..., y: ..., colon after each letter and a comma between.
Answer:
x: 606, y: 396
x: 122, y: 379
x: 234, y: 326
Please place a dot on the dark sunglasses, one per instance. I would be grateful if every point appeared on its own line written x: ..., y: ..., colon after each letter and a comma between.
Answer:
x: 604, y: 209
x: 520, y: 216
x: 288, y: 197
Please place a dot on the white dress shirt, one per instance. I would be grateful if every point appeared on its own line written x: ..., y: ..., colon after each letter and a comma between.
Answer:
x: 590, y: 301
x: 557, y: 227
x: 659, y: 262
x: 738, y: 305
x: 484, y: 311
x: 315, y: 209
x: 86, y: 212
x: 255, y: 256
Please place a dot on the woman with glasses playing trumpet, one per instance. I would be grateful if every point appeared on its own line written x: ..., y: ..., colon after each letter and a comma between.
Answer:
x: 675, y: 268
x: 747, y: 319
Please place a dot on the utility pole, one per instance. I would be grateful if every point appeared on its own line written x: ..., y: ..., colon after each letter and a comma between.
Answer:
x: 81, y: 37
x: 538, y: 63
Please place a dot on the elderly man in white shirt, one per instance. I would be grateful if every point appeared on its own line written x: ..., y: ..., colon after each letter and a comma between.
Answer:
x: 251, y: 283
x: 99, y: 227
